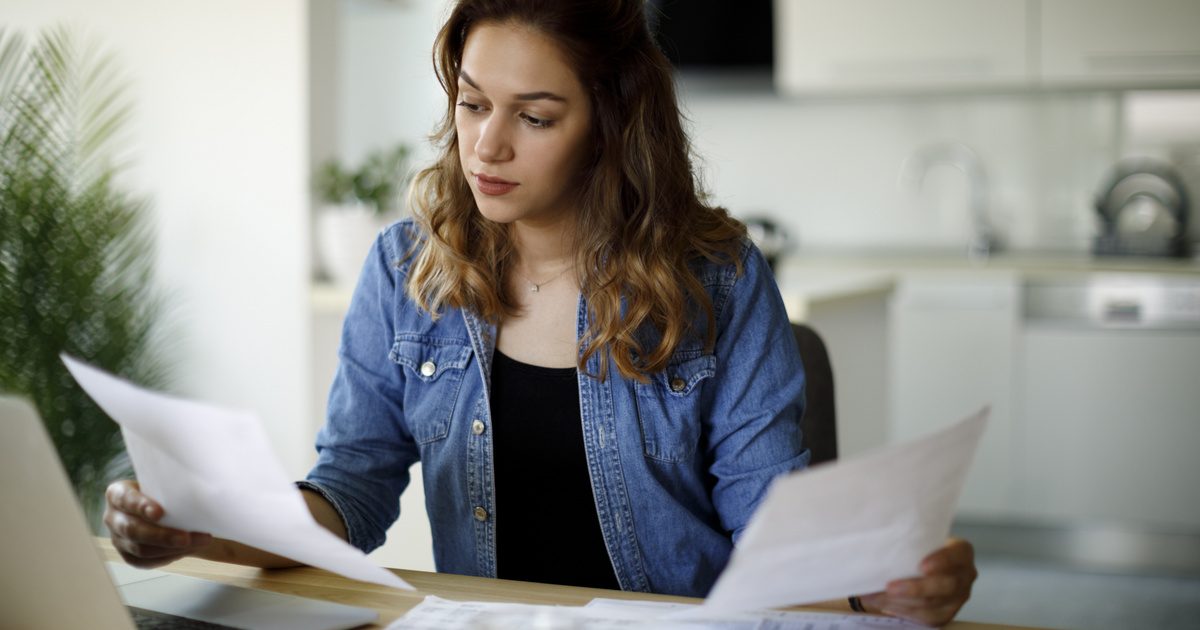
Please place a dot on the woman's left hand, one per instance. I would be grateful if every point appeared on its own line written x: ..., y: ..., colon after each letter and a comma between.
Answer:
x: 936, y: 596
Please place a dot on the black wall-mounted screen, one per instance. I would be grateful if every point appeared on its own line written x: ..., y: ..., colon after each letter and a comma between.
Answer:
x: 714, y: 34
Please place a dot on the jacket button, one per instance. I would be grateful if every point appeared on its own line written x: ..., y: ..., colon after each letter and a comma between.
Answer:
x: 678, y: 384
x: 428, y: 368
x: 477, y: 427
x: 480, y: 514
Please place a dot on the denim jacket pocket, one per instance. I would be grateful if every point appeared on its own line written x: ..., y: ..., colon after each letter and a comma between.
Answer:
x: 434, y: 369
x: 669, y: 407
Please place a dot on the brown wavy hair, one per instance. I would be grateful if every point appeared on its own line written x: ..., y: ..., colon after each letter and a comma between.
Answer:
x: 641, y: 217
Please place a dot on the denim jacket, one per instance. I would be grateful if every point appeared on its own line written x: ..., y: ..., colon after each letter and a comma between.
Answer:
x: 677, y: 464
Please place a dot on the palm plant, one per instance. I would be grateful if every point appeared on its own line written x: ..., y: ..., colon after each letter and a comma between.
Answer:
x: 76, y: 251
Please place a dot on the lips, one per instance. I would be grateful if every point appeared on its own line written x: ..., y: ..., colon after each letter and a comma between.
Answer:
x: 493, y: 185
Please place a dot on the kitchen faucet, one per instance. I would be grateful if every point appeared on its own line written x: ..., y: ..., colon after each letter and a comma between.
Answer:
x: 984, y: 241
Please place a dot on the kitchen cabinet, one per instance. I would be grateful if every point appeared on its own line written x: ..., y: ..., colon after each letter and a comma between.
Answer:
x: 850, y: 45
x: 1090, y: 367
x: 1120, y: 43
x: 1110, y: 411
x: 952, y: 337
x: 848, y: 309
x: 1094, y: 450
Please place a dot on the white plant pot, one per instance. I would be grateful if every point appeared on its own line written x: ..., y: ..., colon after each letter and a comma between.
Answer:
x: 344, y: 235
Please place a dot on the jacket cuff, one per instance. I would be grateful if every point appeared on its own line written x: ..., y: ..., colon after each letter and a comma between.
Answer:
x: 337, y: 507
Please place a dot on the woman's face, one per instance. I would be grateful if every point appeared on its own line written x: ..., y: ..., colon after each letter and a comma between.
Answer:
x: 523, y: 121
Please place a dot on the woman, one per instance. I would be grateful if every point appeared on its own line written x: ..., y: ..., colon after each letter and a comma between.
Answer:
x: 593, y: 366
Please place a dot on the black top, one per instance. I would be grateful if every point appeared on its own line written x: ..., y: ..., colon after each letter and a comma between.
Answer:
x: 546, y: 524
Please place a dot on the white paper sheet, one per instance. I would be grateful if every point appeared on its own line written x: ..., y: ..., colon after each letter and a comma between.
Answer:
x: 435, y: 613
x: 213, y: 470
x: 849, y: 527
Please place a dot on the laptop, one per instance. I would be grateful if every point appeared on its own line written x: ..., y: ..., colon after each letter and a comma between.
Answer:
x: 52, y: 575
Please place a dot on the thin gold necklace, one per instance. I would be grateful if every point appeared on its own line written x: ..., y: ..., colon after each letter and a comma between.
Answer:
x: 535, y: 287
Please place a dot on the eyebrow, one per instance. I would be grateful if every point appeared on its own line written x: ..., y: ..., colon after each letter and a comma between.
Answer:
x: 527, y: 96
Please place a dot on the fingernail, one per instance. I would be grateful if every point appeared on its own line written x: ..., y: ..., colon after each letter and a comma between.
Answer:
x: 148, y: 510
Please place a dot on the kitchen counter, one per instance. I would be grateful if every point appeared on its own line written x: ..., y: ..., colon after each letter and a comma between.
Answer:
x: 819, y: 278
x: 825, y: 277
x: 804, y: 288
x: 1025, y: 262
x: 881, y: 312
x: 848, y: 307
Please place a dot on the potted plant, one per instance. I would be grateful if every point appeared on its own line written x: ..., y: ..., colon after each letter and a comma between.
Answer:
x: 76, y: 251
x: 356, y: 205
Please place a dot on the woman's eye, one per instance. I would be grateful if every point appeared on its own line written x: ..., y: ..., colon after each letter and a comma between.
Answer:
x: 534, y: 121
x: 471, y: 107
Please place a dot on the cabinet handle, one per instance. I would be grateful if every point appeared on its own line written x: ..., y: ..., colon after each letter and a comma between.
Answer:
x: 1152, y: 62
x: 933, y: 67
x: 1122, y: 311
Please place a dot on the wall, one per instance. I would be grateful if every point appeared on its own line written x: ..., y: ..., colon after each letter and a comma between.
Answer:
x: 387, y: 91
x: 830, y: 169
x: 218, y: 144
x: 374, y: 84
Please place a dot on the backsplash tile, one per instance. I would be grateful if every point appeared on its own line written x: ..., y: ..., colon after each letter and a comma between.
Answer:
x: 829, y: 170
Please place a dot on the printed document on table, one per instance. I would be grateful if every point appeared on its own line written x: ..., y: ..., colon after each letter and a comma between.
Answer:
x: 435, y: 613
x: 851, y: 526
x: 213, y: 470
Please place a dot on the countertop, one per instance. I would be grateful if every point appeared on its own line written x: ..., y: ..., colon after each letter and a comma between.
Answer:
x: 825, y: 276
x: 821, y: 278
x: 1022, y: 261
x: 805, y: 288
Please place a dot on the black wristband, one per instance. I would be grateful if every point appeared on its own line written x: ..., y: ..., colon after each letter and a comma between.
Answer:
x: 856, y: 604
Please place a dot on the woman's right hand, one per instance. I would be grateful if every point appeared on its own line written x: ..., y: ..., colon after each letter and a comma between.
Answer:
x: 132, y: 520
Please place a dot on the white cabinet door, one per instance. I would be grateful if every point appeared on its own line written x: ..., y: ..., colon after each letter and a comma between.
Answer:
x: 952, y: 340
x: 1120, y: 43
x: 867, y: 45
x: 1110, y: 427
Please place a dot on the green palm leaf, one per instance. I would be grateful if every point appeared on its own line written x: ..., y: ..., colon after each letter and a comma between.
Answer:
x: 76, y: 252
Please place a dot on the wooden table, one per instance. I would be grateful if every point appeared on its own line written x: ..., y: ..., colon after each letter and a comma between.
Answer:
x: 392, y: 603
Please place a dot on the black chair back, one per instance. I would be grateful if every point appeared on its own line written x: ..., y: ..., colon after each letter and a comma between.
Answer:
x: 820, y: 417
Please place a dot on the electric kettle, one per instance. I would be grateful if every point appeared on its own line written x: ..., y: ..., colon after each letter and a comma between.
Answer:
x: 1144, y: 211
x: 769, y: 236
